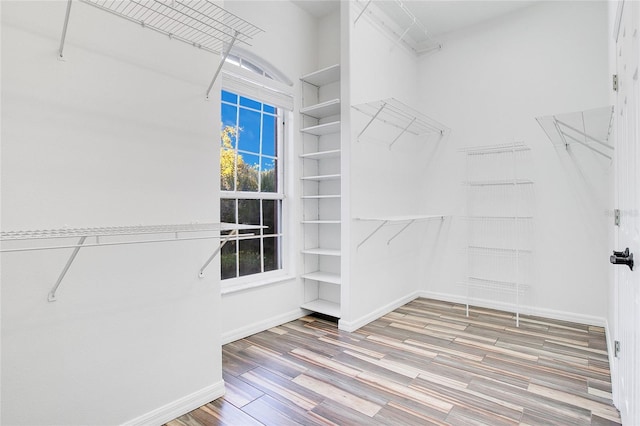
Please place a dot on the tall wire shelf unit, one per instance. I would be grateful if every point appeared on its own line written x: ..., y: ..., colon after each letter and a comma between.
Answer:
x: 499, y: 225
x: 321, y: 196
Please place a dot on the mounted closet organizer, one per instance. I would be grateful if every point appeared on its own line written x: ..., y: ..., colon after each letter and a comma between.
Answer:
x: 120, y: 235
x: 405, y: 119
x: 199, y: 23
x: 499, y: 223
x: 321, y: 200
x: 406, y: 221
x: 394, y: 18
x: 590, y: 129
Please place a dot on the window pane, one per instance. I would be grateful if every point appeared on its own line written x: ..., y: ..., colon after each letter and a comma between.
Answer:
x: 249, y: 213
x: 249, y: 256
x: 271, y: 254
x: 227, y: 169
x: 228, y: 96
x: 250, y: 103
x: 229, y: 114
x: 248, y: 166
x: 269, y: 137
x: 270, y: 216
x: 269, y: 175
x: 228, y: 260
x: 268, y: 108
x: 249, y: 137
x: 228, y: 211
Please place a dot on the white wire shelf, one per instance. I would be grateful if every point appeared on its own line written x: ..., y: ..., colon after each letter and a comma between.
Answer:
x: 496, y: 218
x: 408, y: 220
x: 396, y: 19
x: 324, y: 76
x: 590, y: 129
x: 322, y: 129
x: 498, y: 251
x: 111, y: 234
x: 323, y: 307
x: 499, y: 182
x: 325, y: 277
x: 199, y: 23
x: 496, y: 149
x: 396, y: 114
x: 494, y: 285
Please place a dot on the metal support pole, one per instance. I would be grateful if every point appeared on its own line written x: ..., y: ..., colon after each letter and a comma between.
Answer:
x: 403, y: 131
x: 52, y: 293
x: 585, y: 145
x: 586, y: 135
x: 224, y: 58
x: 371, y: 234
x: 362, y: 12
x: 215, y: 253
x: 64, y: 29
x: 384, y: 104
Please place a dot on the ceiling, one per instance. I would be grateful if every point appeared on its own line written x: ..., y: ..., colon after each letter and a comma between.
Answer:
x: 438, y: 16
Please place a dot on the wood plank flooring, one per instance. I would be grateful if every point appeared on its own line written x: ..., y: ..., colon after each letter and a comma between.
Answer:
x: 425, y: 363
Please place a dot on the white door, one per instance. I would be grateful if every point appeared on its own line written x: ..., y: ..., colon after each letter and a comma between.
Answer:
x: 626, y: 366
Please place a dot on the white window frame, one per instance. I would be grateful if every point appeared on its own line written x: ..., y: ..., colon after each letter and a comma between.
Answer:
x: 284, y: 178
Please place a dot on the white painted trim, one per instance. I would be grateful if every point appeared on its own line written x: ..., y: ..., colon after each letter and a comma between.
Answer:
x: 177, y: 408
x: 351, y: 326
x: 525, y: 310
x: 257, y: 327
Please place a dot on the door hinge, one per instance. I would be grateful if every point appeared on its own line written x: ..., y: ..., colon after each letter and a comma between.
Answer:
x: 615, y: 82
x: 616, y: 348
x: 616, y: 217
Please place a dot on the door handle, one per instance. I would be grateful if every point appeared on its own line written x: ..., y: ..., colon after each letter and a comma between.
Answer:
x: 622, y: 258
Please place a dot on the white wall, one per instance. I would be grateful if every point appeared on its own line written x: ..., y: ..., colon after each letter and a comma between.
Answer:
x: 289, y: 43
x: 119, y: 133
x: 488, y: 84
x: 382, y: 180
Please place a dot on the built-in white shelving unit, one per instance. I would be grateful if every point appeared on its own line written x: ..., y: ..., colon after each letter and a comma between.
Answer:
x: 397, y: 20
x: 399, y: 115
x: 590, y: 129
x: 202, y: 24
x: 118, y: 235
x: 321, y: 200
x: 499, y: 225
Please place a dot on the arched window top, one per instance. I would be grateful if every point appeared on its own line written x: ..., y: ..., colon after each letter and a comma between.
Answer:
x: 255, y: 65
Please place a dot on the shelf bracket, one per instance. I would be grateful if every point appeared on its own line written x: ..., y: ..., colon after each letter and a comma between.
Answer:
x: 52, y: 293
x: 222, y: 60
x: 372, y: 233
x: 400, y: 231
x: 362, y: 12
x: 384, y: 104
x: 403, y: 131
x: 233, y: 233
x: 64, y: 30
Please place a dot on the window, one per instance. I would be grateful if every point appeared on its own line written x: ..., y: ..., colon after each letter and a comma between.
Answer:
x: 251, y: 185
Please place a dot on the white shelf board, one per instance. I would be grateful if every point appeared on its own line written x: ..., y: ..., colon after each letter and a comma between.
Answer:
x: 323, y: 307
x: 321, y: 177
x: 322, y: 222
x: 325, y: 277
x: 322, y: 251
x: 321, y: 197
x: 334, y: 153
x: 324, y: 76
x: 323, y: 109
x: 499, y: 182
x: 322, y: 129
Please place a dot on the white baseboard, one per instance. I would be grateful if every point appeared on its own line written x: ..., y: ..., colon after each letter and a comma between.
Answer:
x: 177, y: 408
x: 526, y: 310
x: 257, y: 327
x: 351, y: 326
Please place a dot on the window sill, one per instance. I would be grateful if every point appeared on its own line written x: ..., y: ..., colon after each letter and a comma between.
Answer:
x: 251, y: 284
